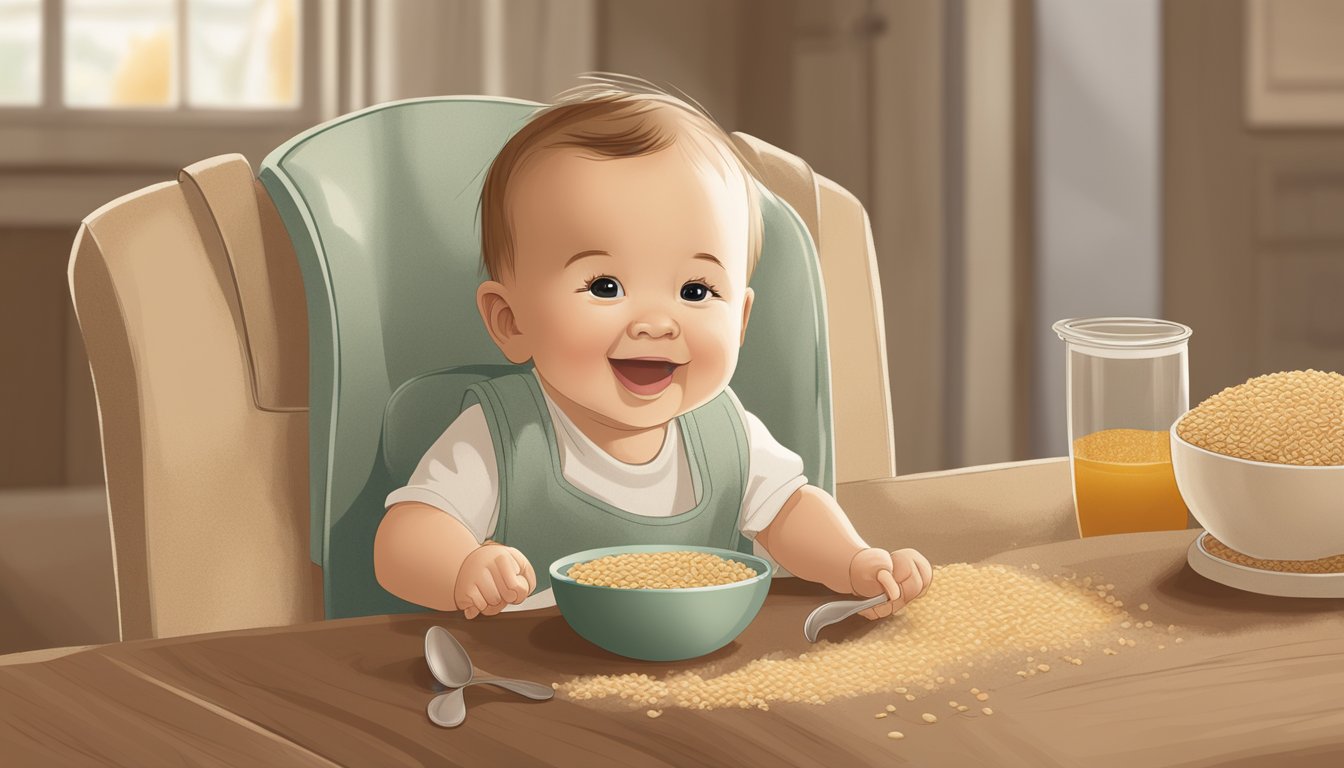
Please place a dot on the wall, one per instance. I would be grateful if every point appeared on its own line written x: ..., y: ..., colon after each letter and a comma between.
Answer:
x: 989, y: 231
x: 48, y: 422
x: 1098, y: 171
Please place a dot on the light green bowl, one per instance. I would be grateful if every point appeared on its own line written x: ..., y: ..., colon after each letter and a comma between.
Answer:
x: 659, y: 624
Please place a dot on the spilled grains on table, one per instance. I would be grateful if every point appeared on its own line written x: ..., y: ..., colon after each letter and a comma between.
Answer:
x: 972, y: 616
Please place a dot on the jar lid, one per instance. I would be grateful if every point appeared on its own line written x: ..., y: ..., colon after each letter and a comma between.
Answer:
x: 1133, y: 333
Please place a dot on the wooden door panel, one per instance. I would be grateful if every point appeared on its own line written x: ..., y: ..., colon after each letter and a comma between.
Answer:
x: 1253, y: 188
x: 1300, y: 323
x: 1295, y: 62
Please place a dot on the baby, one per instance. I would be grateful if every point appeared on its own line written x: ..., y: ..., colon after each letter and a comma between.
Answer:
x: 620, y: 228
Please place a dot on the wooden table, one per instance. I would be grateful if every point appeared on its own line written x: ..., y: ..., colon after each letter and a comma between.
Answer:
x: 1257, y: 680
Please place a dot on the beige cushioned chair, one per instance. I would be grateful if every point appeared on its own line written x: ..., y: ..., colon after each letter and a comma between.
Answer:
x: 192, y: 310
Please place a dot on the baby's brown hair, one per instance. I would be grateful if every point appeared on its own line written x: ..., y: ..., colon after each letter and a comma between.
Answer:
x: 610, y: 116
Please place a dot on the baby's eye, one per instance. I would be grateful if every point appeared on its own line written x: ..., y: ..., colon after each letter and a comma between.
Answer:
x: 697, y: 291
x: 605, y: 288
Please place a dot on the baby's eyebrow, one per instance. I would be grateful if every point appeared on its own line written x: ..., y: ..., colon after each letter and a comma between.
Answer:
x: 708, y: 257
x: 582, y: 254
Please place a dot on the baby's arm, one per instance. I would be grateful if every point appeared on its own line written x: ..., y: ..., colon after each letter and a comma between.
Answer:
x: 418, y: 553
x: 433, y: 557
x: 813, y: 539
x: 429, y: 558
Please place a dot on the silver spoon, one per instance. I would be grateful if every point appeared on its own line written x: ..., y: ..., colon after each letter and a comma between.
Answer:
x: 450, y: 665
x: 827, y: 614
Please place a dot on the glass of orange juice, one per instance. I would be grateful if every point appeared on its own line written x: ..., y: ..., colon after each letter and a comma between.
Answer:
x: 1128, y: 381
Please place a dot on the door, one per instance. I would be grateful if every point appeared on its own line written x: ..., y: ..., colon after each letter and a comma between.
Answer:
x: 1254, y: 186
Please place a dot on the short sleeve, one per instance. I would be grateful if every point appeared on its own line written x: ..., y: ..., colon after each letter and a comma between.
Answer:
x: 774, y: 474
x: 459, y: 475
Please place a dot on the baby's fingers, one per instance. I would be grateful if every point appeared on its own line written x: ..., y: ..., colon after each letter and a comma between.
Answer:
x: 525, y: 568
x: 500, y: 583
x: 485, y: 582
x: 893, y: 594
x: 508, y: 582
x: 925, y: 572
x: 913, y: 585
x: 916, y: 562
x: 878, y: 612
x: 473, y: 602
x: 890, y: 586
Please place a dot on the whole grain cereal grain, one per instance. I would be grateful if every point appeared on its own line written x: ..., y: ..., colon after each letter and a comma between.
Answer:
x: 972, y: 616
x: 1218, y: 549
x: 661, y: 570
x: 1290, y: 417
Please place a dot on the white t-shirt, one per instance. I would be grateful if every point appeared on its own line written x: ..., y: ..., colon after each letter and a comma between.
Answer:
x: 458, y: 475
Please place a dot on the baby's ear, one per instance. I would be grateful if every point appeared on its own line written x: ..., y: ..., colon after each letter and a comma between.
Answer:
x: 492, y: 300
x: 747, y: 298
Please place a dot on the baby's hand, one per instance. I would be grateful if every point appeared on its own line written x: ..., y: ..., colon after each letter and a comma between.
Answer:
x: 903, y: 575
x: 491, y: 577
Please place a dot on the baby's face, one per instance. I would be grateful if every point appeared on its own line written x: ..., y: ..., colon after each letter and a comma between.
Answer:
x: 630, y: 279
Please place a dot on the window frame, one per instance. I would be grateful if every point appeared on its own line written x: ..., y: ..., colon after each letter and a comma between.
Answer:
x: 53, y: 135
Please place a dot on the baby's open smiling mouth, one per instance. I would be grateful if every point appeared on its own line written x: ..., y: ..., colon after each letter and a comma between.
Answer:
x: 644, y: 376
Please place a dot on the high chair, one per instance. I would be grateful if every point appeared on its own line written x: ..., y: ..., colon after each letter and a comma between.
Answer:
x: 221, y: 454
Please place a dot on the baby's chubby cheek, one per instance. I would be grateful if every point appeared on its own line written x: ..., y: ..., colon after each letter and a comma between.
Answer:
x: 707, y: 375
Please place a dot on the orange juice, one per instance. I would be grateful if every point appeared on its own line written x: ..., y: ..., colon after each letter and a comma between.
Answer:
x: 1122, y: 482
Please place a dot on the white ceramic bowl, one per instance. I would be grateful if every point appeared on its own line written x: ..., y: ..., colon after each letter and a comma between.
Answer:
x: 1267, y: 511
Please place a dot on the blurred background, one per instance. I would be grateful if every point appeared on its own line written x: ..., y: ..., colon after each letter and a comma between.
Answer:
x: 1021, y: 161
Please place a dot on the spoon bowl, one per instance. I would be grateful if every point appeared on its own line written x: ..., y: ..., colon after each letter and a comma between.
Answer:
x: 827, y: 614
x: 448, y: 709
x: 448, y: 660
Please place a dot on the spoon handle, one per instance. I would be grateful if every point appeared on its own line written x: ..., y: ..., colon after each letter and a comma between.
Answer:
x: 839, y: 610
x: 531, y: 690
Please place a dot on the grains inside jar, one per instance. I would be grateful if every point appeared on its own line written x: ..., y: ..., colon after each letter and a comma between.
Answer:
x: 661, y: 570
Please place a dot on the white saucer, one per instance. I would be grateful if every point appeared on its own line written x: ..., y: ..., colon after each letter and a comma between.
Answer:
x: 1277, y: 583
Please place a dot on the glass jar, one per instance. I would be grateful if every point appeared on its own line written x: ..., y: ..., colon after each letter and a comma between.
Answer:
x: 1127, y: 383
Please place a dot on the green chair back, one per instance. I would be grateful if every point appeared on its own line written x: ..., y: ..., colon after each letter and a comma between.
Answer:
x: 382, y: 209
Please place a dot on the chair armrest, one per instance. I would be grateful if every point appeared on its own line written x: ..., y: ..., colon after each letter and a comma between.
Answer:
x: 965, y: 515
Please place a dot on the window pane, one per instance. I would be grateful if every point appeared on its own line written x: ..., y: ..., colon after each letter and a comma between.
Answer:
x: 243, y: 53
x: 20, y: 52
x: 120, y: 53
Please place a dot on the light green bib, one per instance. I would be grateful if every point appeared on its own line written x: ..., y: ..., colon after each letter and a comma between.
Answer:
x: 545, y: 517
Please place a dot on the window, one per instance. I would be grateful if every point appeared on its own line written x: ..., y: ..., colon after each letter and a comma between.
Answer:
x: 20, y: 52
x: 109, y: 95
x: 175, y: 56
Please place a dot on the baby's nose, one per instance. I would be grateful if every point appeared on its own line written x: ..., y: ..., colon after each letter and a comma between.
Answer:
x: 655, y: 326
